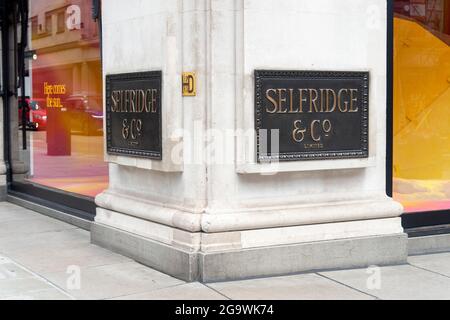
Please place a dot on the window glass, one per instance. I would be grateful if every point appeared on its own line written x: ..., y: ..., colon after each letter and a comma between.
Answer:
x: 422, y: 104
x: 64, y: 114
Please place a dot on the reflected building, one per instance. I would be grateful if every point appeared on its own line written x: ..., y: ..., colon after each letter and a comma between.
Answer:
x: 66, y: 40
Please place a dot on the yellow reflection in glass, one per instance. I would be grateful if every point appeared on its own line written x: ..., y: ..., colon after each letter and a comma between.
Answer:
x: 421, y: 117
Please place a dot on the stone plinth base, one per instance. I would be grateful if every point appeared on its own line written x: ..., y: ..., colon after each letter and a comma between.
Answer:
x: 178, y: 263
x: 305, y: 257
x: 226, y: 256
x: 429, y: 244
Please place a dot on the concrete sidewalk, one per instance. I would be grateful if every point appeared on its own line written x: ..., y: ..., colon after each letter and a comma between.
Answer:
x: 43, y: 258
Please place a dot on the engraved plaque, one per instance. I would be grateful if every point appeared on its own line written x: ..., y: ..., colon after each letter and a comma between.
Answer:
x: 311, y: 115
x: 133, y: 114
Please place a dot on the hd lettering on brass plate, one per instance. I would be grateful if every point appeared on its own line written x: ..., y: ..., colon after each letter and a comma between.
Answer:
x: 133, y: 114
x: 307, y: 115
x: 189, y: 84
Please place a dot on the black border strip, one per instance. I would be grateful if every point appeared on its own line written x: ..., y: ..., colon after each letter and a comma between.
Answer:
x: 84, y: 208
x: 428, y: 231
x: 426, y: 219
x: 6, y: 89
x: 390, y: 98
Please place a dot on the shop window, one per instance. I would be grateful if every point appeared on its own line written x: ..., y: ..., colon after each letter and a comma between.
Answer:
x: 64, y: 118
x: 421, y: 158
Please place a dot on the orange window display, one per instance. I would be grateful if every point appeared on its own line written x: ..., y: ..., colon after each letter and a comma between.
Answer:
x: 422, y: 105
x: 65, y: 115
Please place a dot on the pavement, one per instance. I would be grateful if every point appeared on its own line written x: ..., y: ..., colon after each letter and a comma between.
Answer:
x: 45, y: 259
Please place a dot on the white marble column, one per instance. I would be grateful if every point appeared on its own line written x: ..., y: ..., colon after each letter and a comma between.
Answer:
x: 208, y: 210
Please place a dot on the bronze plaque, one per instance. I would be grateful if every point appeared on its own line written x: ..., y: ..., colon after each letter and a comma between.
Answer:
x: 133, y: 114
x: 311, y: 115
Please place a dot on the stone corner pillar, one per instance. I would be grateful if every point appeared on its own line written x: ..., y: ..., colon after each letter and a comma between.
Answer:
x: 209, y: 210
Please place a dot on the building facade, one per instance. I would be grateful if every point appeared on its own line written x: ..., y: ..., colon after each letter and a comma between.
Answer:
x: 216, y: 140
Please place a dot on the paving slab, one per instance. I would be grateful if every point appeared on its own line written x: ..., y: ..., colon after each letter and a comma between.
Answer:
x: 12, y: 214
x: 299, y: 287
x: 57, y: 260
x: 403, y: 282
x: 112, y: 281
x: 33, y: 225
x: 12, y: 271
x: 10, y: 207
x: 38, y: 254
x: 51, y: 249
x: 62, y: 239
x: 47, y: 294
x: 13, y: 287
x: 439, y: 263
x: 189, y: 291
x: 18, y: 283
